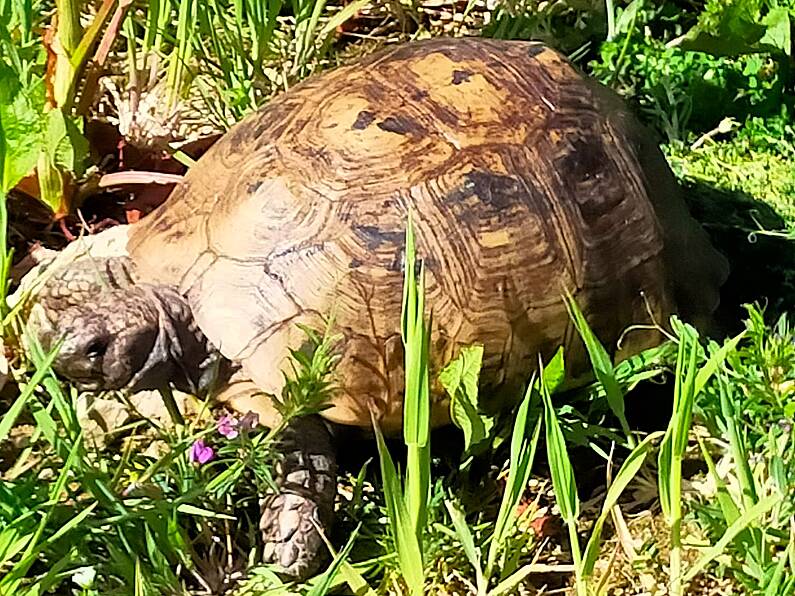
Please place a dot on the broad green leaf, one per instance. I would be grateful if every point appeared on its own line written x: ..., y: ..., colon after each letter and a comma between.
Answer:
x: 52, y: 185
x: 555, y: 372
x: 736, y: 28
x: 460, y: 379
x: 23, y: 125
x: 778, y: 30
x: 62, y: 158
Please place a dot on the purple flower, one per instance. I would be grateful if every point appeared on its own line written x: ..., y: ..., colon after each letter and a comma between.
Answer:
x: 227, y: 426
x: 249, y: 421
x: 200, y: 453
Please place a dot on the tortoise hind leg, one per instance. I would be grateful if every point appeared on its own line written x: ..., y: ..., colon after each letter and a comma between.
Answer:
x: 304, y: 502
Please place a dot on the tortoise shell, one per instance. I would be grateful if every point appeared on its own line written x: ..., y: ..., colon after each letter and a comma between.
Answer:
x: 524, y: 179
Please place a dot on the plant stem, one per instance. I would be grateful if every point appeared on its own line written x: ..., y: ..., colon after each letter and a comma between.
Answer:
x: 622, y: 55
x: 417, y: 477
x: 675, y: 570
x: 69, y: 33
x: 581, y: 586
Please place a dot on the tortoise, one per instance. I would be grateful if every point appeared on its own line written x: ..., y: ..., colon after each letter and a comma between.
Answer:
x: 525, y: 180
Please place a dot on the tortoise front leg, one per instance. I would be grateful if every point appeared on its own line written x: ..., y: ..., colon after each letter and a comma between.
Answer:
x: 304, y: 502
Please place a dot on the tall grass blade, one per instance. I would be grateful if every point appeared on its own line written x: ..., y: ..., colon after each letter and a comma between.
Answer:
x: 563, y: 483
x: 602, y: 366
x: 737, y: 445
x: 10, y: 417
x: 520, y: 466
x: 416, y: 403
x: 559, y: 463
x: 416, y: 409
x: 406, y: 543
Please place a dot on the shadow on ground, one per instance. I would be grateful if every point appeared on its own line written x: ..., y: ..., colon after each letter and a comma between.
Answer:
x: 762, y: 264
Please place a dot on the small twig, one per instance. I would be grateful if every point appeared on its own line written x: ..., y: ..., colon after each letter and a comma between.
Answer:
x: 138, y: 177
x: 171, y: 405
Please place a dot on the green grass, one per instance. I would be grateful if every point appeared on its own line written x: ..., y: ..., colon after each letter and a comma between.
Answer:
x: 123, y: 520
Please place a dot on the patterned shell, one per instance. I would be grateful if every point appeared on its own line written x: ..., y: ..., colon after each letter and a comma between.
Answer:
x: 524, y: 180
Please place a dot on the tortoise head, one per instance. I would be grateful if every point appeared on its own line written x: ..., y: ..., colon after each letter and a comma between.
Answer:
x: 112, y: 332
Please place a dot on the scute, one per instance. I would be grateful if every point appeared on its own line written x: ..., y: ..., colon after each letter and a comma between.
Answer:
x: 524, y: 181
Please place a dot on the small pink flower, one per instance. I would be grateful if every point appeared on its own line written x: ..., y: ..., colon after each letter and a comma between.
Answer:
x: 249, y: 422
x: 227, y: 426
x: 200, y: 453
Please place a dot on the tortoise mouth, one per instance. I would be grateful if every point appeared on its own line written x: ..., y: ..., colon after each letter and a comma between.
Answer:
x: 91, y: 380
x: 86, y: 384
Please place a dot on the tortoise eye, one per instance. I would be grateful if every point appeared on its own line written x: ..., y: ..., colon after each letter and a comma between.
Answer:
x: 96, y: 349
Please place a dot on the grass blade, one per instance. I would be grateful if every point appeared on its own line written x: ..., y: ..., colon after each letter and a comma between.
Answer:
x: 602, y: 366
x: 521, y: 463
x: 10, y: 417
x: 740, y: 524
x: 406, y: 542
x: 625, y: 474
x: 326, y: 580
x: 467, y: 540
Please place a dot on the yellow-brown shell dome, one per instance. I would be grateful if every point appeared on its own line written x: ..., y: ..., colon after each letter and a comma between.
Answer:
x: 524, y: 179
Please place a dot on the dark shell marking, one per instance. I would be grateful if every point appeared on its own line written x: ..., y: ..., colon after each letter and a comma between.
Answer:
x: 524, y: 180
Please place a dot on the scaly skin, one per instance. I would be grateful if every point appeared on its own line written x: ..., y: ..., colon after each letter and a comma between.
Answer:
x: 303, y: 507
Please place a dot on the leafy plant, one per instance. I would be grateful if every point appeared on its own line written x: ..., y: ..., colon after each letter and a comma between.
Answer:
x: 734, y: 27
x: 689, y: 380
x: 750, y: 511
x: 42, y: 123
